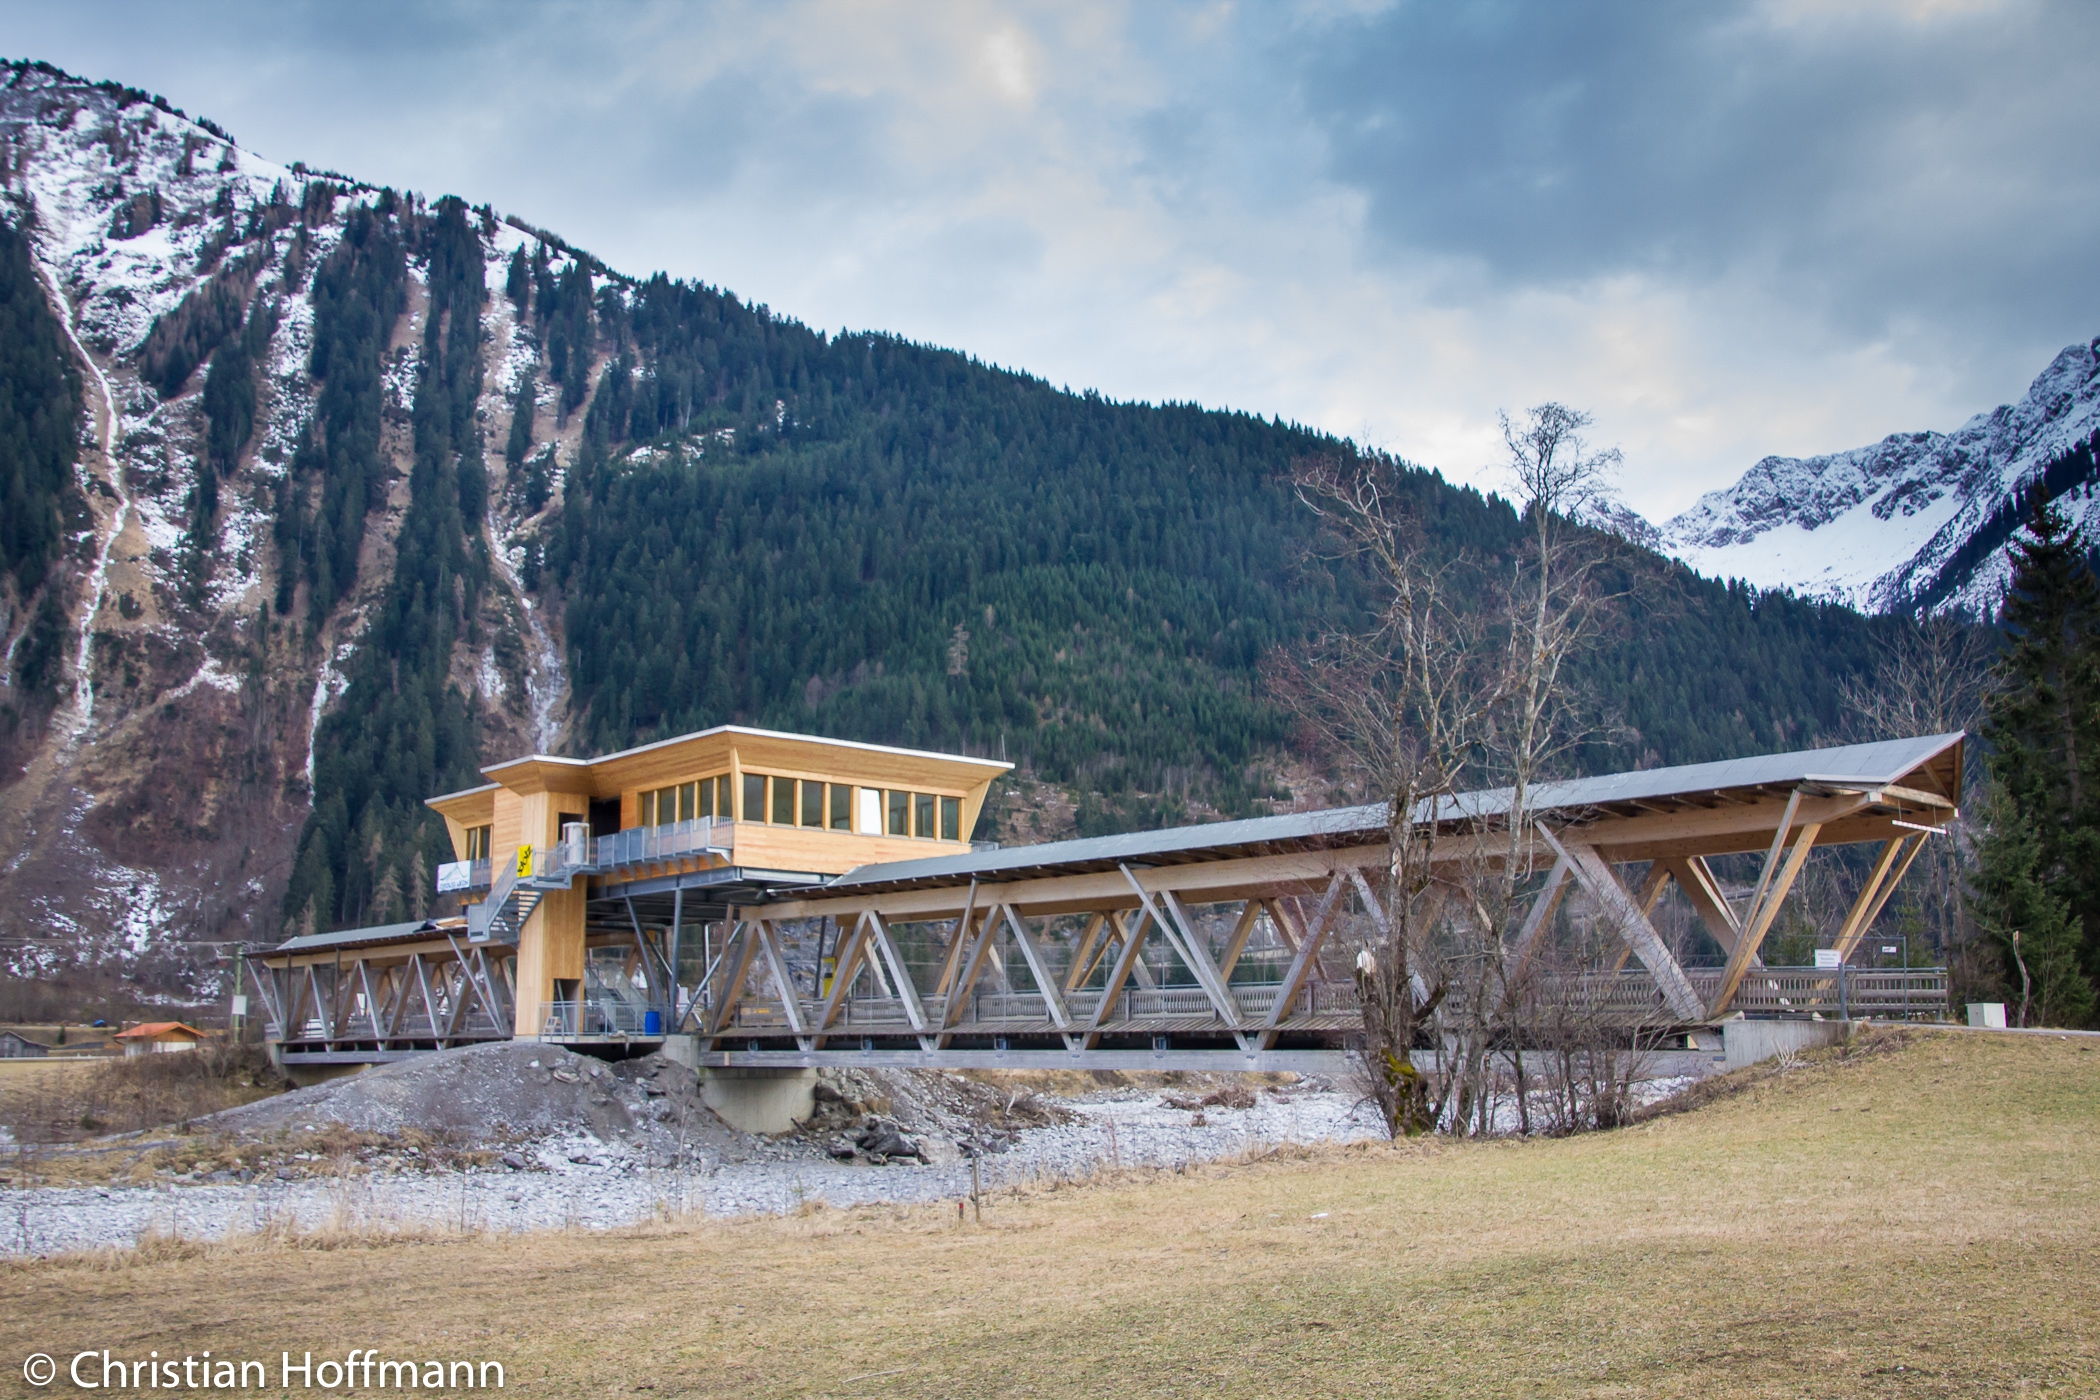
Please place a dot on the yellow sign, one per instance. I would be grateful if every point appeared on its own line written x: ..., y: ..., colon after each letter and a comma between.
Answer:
x: 524, y: 862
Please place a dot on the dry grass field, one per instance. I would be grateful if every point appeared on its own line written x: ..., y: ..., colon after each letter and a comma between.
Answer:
x: 1917, y: 1218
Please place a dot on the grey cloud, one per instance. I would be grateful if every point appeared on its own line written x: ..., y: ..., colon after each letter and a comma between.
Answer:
x: 1884, y: 167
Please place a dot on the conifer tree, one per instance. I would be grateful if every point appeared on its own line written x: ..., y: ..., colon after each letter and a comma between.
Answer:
x: 517, y: 282
x: 2039, y: 854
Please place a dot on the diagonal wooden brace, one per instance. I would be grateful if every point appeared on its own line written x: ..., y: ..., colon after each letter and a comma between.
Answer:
x: 1039, y: 969
x: 1294, y: 977
x: 783, y: 984
x: 1889, y: 870
x: 900, y: 975
x: 1603, y: 886
x: 1762, y: 914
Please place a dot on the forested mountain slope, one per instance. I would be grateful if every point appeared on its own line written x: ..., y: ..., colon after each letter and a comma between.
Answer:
x: 363, y: 490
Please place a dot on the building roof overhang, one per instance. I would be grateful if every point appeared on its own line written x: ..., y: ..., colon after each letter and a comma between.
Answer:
x: 607, y: 775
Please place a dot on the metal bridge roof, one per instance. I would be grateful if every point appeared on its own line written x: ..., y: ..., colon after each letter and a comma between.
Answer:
x: 1853, y: 766
x: 380, y: 933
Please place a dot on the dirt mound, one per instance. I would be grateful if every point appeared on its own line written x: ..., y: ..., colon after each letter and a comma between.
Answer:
x: 506, y: 1093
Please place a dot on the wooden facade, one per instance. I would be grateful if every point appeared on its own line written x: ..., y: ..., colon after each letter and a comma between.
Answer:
x: 777, y: 809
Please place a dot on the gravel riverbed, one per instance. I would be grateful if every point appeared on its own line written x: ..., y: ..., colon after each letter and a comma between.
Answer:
x: 580, y: 1180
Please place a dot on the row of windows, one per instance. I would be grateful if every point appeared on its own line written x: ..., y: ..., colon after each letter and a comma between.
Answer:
x: 708, y: 797
x: 804, y: 802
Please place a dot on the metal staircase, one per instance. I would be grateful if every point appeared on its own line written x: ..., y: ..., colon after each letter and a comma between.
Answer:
x: 512, y: 898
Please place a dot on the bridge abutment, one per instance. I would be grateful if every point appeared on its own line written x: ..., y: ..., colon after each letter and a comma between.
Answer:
x: 749, y: 1099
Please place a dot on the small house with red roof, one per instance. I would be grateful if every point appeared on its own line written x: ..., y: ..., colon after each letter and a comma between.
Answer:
x: 155, y: 1037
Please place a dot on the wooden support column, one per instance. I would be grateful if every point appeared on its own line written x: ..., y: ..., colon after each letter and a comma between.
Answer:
x: 1596, y: 877
x: 1889, y: 869
x: 1182, y: 939
x: 486, y: 996
x: 1088, y: 952
x: 1772, y: 893
x: 1295, y: 977
x: 737, y: 959
x: 972, y: 965
x: 430, y: 1012
x: 1118, y: 974
x: 368, y: 995
x: 1541, y: 914
x: 845, y: 966
x: 1039, y: 969
x: 776, y: 963
x: 951, y: 963
x: 902, y: 987
x: 397, y: 999
x: 1696, y: 879
x: 322, y: 1011
x: 267, y: 992
x: 1237, y: 943
x: 1651, y: 894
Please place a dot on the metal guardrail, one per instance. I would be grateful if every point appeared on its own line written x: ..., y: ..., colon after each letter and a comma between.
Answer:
x: 602, y: 1018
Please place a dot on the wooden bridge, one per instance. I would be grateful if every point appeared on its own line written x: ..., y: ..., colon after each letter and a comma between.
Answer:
x: 1226, y: 944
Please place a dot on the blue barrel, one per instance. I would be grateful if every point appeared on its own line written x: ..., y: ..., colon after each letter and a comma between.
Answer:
x: 652, y: 1023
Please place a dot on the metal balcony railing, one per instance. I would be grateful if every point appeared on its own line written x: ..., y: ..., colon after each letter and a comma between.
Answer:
x: 644, y: 844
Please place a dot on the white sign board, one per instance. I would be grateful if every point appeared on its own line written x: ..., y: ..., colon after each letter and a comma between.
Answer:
x: 240, y: 1005
x: 1829, y: 957
x: 455, y: 875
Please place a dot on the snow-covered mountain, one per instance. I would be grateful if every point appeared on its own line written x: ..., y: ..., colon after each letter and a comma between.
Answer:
x: 1915, y: 521
x: 154, y: 796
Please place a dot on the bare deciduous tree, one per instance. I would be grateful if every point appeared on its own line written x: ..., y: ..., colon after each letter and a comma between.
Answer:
x: 1458, y: 681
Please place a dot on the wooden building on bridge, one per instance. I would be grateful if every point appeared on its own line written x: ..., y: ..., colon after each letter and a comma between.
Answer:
x: 790, y: 900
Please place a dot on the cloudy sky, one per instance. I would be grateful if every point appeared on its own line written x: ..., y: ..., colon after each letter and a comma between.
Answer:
x: 1726, y: 229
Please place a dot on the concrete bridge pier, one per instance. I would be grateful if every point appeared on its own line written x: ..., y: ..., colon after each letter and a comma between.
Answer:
x: 751, y: 1100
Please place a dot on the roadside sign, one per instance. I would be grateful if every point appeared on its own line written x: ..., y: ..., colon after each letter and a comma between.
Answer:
x: 1829, y: 957
x: 240, y: 1005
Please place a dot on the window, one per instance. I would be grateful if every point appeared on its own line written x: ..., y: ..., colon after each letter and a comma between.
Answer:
x: 812, y: 803
x: 478, y: 842
x: 922, y: 815
x: 784, y: 801
x: 754, y: 797
x: 841, y: 807
x: 725, y: 807
x: 667, y: 805
x: 900, y: 813
x: 951, y: 819
x: 707, y: 797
